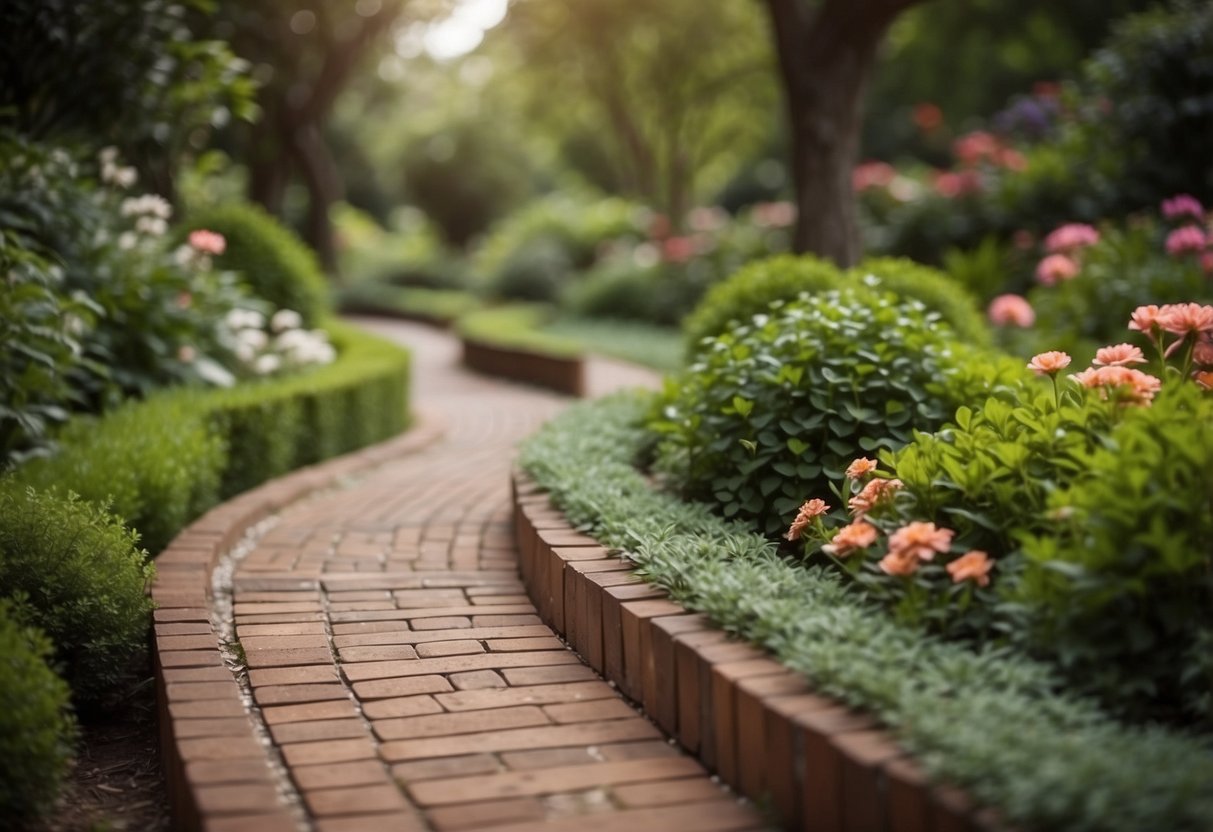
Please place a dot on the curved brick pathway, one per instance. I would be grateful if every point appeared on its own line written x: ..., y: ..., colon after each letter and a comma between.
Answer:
x: 402, y: 671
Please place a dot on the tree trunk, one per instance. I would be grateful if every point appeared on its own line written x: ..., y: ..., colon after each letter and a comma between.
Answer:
x: 826, y: 54
x: 319, y: 172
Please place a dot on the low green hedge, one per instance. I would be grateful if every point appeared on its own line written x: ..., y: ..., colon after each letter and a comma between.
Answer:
x: 72, y: 569
x: 517, y: 326
x: 438, y: 305
x: 994, y: 722
x: 36, y: 725
x: 161, y: 462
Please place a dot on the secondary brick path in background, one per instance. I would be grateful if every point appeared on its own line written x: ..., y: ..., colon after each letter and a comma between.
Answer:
x: 403, y: 672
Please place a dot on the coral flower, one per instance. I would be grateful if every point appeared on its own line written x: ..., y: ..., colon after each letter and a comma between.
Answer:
x: 1144, y: 318
x: 1141, y: 386
x: 1186, y: 240
x: 861, y: 468
x: 1182, y: 318
x: 1206, y: 263
x: 972, y: 566
x: 1182, y: 205
x: 1071, y: 236
x: 872, y: 495
x: 1055, y: 268
x: 208, y: 242
x: 1049, y: 363
x: 813, y: 508
x: 858, y: 535
x: 1204, y: 378
x: 920, y: 540
x: 1202, y: 353
x: 1011, y: 310
x: 1118, y: 355
x: 898, y: 564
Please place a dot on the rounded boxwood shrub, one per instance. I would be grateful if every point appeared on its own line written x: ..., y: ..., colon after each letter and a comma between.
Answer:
x: 36, y: 725
x: 752, y: 289
x: 274, y: 263
x: 72, y: 570
x: 773, y: 410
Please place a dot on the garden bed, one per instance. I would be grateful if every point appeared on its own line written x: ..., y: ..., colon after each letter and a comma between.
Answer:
x: 508, y: 343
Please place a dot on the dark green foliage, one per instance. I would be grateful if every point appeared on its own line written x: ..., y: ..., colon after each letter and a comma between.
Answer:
x: 991, y: 721
x: 756, y: 286
x: 274, y: 263
x: 36, y: 725
x: 773, y: 410
x: 536, y: 271
x: 1117, y: 587
x: 72, y: 570
x: 621, y: 290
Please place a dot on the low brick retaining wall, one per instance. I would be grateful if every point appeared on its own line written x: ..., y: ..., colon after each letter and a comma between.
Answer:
x: 758, y: 725
x: 216, y: 768
x: 562, y: 374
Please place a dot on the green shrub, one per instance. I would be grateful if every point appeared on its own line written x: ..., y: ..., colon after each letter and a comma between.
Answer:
x: 994, y: 722
x: 274, y: 263
x: 619, y: 289
x: 36, y: 725
x: 72, y: 570
x: 536, y: 271
x: 162, y: 462
x: 439, y: 305
x: 755, y: 287
x: 771, y: 411
x: 519, y: 326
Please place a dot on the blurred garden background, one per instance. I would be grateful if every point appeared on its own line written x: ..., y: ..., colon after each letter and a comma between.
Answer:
x: 191, y: 191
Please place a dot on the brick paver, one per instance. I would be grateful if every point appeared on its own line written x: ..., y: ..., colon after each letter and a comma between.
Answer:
x: 402, y: 671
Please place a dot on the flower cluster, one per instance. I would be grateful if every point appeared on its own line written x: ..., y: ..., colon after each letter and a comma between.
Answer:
x: 1190, y: 234
x: 113, y: 173
x: 283, y: 345
x: 1011, y: 310
x: 1063, y: 247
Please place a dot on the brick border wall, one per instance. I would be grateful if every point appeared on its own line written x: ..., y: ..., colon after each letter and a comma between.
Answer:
x: 216, y: 769
x: 758, y: 725
x: 562, y: 374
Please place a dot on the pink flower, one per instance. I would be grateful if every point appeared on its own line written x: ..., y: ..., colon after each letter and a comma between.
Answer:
x: 774, y: 214
x: 1118, y: 355
x: 972, y: 566
x: 812, y: 508
x: 1011, y: 159
x: 872, y: 495
x: 184, y: 300
x: 208, y: 242
x: 1182, y: 318
x: 861, y: 468
x: 927, y: 116
x: 1186, y: 240
x: 951, y: 185
x: 971, y: 148
x: 1049, y: 363
x: 920, y: 540
x: 898, y: 564
x: 858, y: 535
x: 1139, y: 387
x: 1206, y: 263
x: 873, y: 175
x: 1144, y: 318
x: 186, y: 354
x: 1202, y: 353
x: 1055, y: 268
x: 1182, y: 205
x: 677, y: 249
x: 1072, y: 236
x: 1011, y: 310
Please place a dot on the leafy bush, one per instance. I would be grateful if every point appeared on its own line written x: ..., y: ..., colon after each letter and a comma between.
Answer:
x: 162, y: 462
x: 995, y: 723
x: 621, y: 289
x: 274, y: 263
x: 772, y: 410
x: 72, y: 570
x: 36, y: 726
x: 535, y: 271
x: 752, y: 290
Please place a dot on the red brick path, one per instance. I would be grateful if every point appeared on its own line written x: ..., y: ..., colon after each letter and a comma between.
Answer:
x: 401, y: 669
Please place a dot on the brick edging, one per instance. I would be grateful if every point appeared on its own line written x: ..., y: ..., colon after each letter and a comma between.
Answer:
x: 564, y: 374
x: 216, y: 769
x: 759, y: 726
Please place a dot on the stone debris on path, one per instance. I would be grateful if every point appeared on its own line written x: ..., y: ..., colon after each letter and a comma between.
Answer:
x: 402, y: 671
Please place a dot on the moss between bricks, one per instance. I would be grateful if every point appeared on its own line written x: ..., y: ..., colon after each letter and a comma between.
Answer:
x: 995, y: 723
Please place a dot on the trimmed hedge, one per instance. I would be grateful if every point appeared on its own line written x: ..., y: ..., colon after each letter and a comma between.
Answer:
x: 162, y: 462
x: 274, y: 263
x: 436, y: 305
x: 71, y: 569
x: 994, y: 722
x: 754, y: 288
x: 36, y: 724
x: 517, y: 326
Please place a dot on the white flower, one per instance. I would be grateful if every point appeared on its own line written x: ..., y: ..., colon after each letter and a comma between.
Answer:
x: 108, y: 155
x: 646, y: 255
x: 148, y: 204
x: 184, y: 255
x: 239, y: 318
x: 266, y: 364
x: 254, y: 338
x: 286, y: 319
x: 127, y: 240
x: 152, y: 226
x: 73, y: 325
x: 245, y: 352
x: 186, y: 354
x: 213, y: 373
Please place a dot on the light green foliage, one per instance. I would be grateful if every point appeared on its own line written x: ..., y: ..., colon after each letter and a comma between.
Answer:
x: 991, y: 721
x: 752, y: 290
x: 274, y: 263
x: 773, y: 410
x: 36, y: 725
x: 518, y: 326
x: 438, y: 305
x: 1117, y: 585
x: 72, y: 570
x: 409, y: 253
